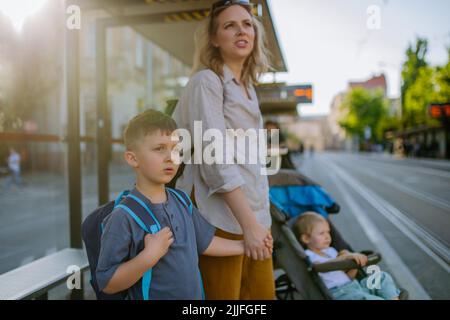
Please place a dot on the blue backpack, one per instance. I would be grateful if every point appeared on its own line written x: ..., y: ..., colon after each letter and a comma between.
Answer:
x: 92, y: 229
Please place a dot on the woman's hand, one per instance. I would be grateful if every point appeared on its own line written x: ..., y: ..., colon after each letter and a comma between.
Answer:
x: 255, y: 238
x: 268, y: 241
x: 254, y: 233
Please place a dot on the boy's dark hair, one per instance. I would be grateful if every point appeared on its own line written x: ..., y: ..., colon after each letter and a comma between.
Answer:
x: 146, y: 123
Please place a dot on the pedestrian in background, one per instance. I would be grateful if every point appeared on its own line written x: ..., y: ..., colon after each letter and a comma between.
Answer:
x: 14, y: 169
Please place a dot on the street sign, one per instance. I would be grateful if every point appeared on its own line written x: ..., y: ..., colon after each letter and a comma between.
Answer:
x: 437, y: 110
x: 302, y: 93
x: 295, y: 93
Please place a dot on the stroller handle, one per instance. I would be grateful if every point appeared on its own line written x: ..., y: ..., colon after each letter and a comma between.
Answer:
x: 345, y: 265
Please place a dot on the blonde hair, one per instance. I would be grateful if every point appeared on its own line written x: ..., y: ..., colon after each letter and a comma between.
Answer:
x: 306, y: 223
x: 207, y: 56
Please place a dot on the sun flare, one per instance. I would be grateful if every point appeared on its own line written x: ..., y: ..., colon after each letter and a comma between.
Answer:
x: 18, y: 11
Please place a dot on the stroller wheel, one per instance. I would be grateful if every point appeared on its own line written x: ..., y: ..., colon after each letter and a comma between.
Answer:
x: 284, y: 288
x: 404, y: 294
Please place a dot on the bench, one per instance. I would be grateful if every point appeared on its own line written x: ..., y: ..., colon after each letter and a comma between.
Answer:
x: 35, y: 279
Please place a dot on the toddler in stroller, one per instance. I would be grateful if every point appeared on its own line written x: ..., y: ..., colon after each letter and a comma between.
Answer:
x: 292, y: 194
x: 313, y: 231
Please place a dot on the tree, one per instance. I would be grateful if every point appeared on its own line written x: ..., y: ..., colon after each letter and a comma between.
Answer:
x: 418, y: 96
x: 442, y: 82
x: 415, y: 61
x: 365, y: 109
x: 431, y: 85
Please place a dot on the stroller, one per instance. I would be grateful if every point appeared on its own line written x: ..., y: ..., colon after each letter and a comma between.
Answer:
x: 291, y: 194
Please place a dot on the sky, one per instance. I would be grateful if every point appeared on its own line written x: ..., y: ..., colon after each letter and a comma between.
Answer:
x: 327, y: 42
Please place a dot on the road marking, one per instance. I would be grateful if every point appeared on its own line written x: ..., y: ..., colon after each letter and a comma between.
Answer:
x: 434, y: 248
x: 444, y: 164
x: 433, y: 172
x: 390, y: 257
x: 435, y: 201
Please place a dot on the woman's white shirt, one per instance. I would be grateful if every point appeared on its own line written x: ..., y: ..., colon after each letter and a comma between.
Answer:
x: 222, y: 104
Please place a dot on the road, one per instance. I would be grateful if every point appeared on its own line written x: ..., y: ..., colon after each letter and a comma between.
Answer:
x: 399, y: 207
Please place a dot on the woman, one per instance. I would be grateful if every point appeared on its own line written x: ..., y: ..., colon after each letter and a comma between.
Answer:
x: 230, y: 55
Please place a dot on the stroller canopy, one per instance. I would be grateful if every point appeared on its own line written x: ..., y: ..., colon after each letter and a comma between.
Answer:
x: 293, y: 193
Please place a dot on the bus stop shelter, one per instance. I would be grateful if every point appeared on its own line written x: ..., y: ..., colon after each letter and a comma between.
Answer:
x: 168, y: 23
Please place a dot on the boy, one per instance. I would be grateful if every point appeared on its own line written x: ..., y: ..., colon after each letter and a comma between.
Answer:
x: 313, y: 231
x: 172, y: 253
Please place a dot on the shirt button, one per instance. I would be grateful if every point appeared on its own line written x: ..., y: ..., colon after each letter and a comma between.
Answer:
x: 171, y: 216
x: 176, y: 228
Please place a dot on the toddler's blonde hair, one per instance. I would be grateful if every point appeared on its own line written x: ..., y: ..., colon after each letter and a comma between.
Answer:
x: 306, y: 223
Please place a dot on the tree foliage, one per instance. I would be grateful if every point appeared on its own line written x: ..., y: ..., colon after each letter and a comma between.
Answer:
x: 422, y: 85
x: 365, y: 109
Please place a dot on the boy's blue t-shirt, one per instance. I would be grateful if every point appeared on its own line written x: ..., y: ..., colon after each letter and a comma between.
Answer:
x: 176, y: 275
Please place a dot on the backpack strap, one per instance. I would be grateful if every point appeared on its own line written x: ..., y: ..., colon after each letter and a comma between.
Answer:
x: 140, y: 213
x: 120, y: 197
x: 135, y: 217
x: 133, y: 206
x: 117, y: 201
x: 183, y: 197
x: 148, y: 222
x: 147, y: 209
